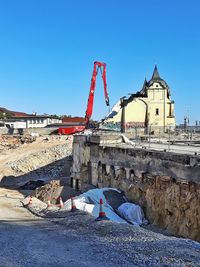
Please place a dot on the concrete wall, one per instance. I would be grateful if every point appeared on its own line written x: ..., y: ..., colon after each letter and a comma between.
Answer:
x: 166, y: 185
x: 40, y: 131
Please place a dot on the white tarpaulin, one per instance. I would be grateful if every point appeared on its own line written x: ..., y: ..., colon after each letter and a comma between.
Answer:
x: 89, y: 202
x: 132, y: 213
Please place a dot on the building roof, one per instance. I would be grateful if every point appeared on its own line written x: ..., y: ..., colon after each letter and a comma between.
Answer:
x: 143, y: 92
x: 14, y: 113
x: 23, y: 115
x: 155, y: 78
x: 155, y: 75
x: 73, y: 119
x: 36, y: 116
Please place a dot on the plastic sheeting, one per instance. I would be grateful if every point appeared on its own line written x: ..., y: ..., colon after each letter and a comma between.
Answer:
x: 132, y: 213
x: 89, y: 202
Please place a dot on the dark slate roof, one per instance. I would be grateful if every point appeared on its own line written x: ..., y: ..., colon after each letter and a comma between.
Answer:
x: 155, y: 75
x: 156, y: 78
x: 143, y: 92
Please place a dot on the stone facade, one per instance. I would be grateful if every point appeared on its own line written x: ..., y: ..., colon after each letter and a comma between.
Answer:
x: 166, y: 185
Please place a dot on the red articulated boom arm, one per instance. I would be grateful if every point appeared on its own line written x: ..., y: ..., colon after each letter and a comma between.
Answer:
x: 89, y: 110
x: 71, y: 129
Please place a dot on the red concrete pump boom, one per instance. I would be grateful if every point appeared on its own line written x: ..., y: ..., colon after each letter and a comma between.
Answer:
x: 79, y: 128
x: 102, y: 67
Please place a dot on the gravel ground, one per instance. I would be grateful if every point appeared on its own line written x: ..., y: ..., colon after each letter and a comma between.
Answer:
x: 124, y: 244
x: 79, y: 240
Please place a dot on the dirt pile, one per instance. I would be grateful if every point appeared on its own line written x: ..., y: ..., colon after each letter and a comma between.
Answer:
x: 55, y: 189
x: 46, y: 158
x: 12, y: 142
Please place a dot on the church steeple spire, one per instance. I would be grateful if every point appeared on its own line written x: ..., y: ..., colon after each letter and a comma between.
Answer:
x: 145, y: 83
x: 155, y: 75
x: 144, y: 89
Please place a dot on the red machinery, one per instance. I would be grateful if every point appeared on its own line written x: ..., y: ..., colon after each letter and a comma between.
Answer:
x: 79, y: 128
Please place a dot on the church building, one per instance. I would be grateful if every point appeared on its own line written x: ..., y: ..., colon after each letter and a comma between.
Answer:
x: 150, y: 107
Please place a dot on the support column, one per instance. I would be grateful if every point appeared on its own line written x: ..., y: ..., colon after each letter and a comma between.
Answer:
x: 123, y: 126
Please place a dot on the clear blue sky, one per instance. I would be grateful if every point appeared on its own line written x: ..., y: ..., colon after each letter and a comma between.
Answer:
x: 47, y: 50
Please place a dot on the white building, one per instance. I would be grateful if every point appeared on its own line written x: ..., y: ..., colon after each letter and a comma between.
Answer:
x: 31, y: 121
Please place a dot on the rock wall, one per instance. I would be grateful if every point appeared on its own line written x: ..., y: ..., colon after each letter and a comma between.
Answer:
x: 166, y: 185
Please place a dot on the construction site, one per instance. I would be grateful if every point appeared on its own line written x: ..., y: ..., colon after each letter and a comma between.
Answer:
x: 99, y: 133
x: 60, y: 201
x: 125, y: 193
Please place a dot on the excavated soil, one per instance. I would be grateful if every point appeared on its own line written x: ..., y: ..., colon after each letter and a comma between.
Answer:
x: 25, y: 159
x: 55, y: 189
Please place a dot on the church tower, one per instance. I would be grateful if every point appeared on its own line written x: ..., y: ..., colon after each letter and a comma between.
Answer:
x: 160, y: 106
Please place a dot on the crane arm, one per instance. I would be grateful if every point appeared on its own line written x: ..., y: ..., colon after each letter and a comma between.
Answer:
x: 102, y: 67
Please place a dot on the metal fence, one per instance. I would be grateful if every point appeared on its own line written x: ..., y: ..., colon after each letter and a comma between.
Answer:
x: 173, y: 139
x: 168, y: 139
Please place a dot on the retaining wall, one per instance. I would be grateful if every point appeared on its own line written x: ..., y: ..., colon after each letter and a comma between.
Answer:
x: 166, y: 185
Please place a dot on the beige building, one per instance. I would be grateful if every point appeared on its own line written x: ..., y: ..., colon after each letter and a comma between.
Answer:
x: 150, y: 107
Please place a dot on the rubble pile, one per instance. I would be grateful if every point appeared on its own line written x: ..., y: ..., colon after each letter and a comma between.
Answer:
x: 12, y: 142
x: 45, y: 159
x: 39, y: 159
x: 55, y: 189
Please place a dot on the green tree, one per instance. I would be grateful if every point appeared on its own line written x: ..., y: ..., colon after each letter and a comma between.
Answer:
x: 5, y: 115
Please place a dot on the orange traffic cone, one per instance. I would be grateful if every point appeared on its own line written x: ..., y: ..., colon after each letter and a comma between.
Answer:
x: 61, y: 203
x: 30, y: 201
x: 102, y: 214
x: 73, y: 205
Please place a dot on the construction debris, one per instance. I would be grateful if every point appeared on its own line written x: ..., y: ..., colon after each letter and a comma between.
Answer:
x: 39, y: 160
x: 54, y: 190
x: 12, y: 142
